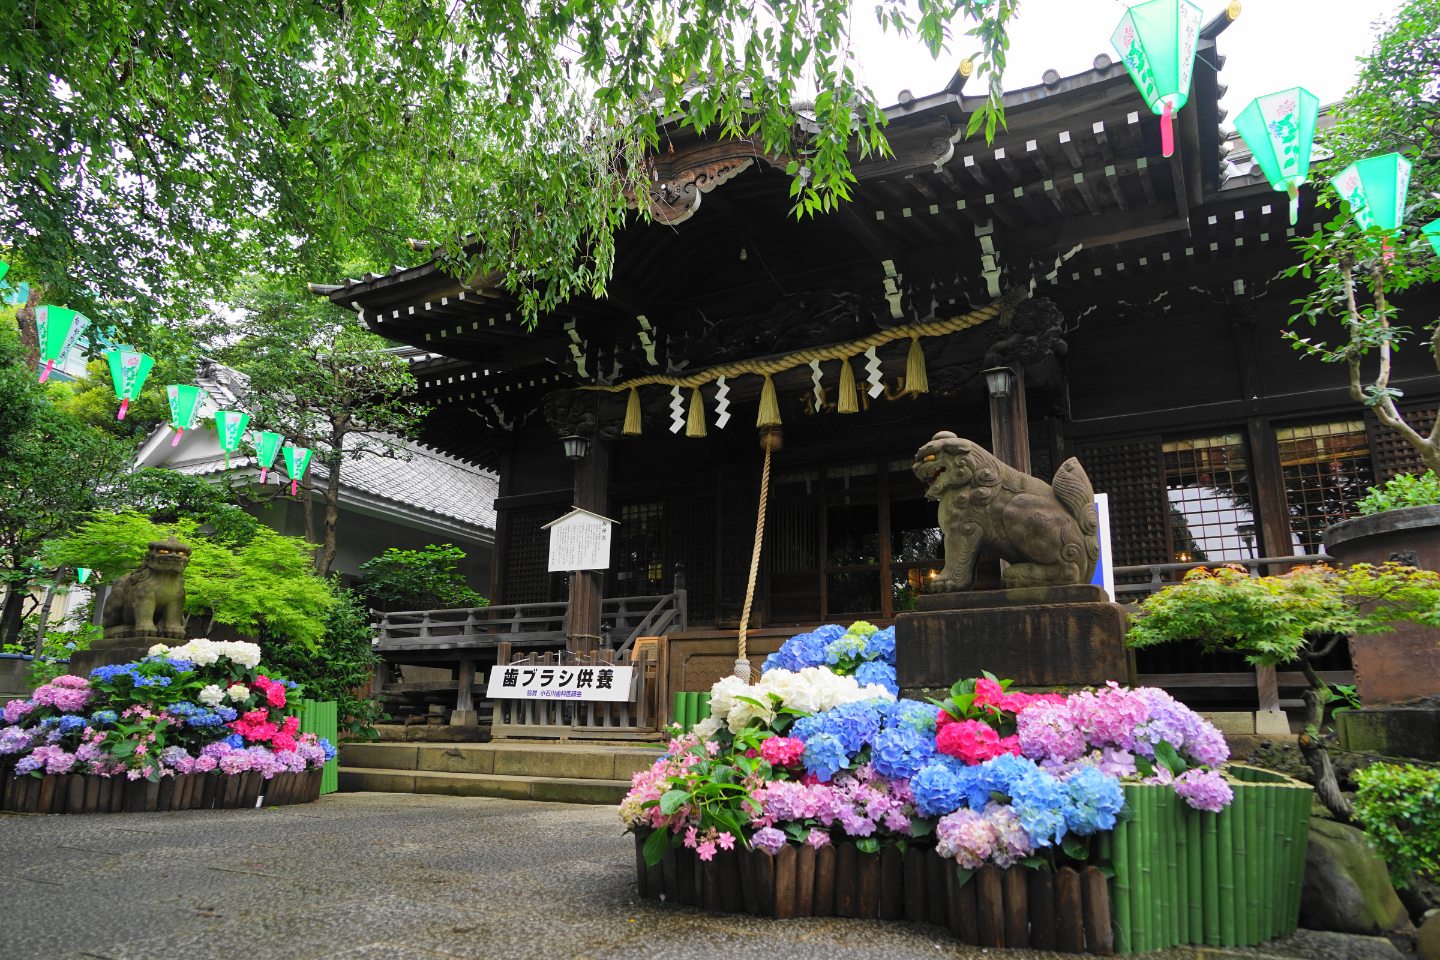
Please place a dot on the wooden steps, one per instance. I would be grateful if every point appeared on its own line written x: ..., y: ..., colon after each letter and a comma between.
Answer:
x: 555, y: 772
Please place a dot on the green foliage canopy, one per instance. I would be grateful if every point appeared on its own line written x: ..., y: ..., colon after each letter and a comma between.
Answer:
x: 1271, y: 620
x: 267, y: 582
x: 155, y: 148
x: 424, y: 579
x: 1405, y: 490
x: 1399, y: 808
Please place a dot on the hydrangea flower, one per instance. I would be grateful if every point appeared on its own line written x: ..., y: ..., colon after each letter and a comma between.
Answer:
x: 1204, y: 790
x: 825, y: 756
x: 1094, y: 801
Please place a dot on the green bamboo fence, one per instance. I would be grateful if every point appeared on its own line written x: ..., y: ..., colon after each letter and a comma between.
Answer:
x: 690, y: 708
x: 1222, y: 879
x: 320, y: 718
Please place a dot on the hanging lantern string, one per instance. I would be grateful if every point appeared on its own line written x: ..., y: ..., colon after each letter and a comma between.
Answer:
x: 767, y: 366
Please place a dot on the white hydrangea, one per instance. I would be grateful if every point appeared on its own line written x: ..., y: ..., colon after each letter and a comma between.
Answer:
x: 243, y: 653
x: 810, y: 690
x: 707, y: 728
x: 211, y: 696
x: 158, y: 650
x: 238, y: 692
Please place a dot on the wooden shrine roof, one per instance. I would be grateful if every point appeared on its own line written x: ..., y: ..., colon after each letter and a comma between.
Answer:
x: 1071, y: 199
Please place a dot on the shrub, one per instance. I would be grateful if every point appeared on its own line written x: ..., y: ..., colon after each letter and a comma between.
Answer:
x: 1406, y: 490
x: 1399, y: 807
x: 338, y: 667
x: 424, y: 579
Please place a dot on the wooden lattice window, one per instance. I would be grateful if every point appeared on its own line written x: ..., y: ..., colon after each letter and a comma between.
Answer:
x: 691, y: 542
x: 1327, y: 470
x: 527, y: 556
x: 1390, y: 453
x: 637, y: 559
x: 1207, y: 482
x: 1133, y: 474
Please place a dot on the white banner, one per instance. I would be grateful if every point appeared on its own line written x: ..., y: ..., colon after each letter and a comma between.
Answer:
x: 551, y: 682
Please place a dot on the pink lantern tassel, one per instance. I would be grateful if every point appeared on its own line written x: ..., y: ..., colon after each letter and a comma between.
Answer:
x: 45, y: 374
x: 1387, y: 252
x: 124, y: 406
x: 175, y: 439
x: 293, y: 489
x: 1167, y: 131
x: 263, y: 472
x: 1294, y: 192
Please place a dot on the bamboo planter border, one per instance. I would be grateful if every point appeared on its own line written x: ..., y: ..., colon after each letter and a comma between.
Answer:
x: 86, y: 793
x: 1181, y: 877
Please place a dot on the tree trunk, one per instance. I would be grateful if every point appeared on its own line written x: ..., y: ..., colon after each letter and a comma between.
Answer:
x: 44, y: 621
x: 1312, y: 746
x: 12, y: 614
x: 332, y: 520
x: 29, y: 335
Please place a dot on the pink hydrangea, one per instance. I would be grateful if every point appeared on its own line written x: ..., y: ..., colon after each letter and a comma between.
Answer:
x: 970, y: 741
x: 1204, y: 790
x: 1047, y: 731
x: 16, y: 709
x: 274, y: 692
x: 63, y: 694
x: 782, y: 751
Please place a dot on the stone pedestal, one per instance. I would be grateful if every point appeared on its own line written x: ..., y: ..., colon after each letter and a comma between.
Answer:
x: 1038, y: 637
x: 1412, y: 732
x: 130, y: 649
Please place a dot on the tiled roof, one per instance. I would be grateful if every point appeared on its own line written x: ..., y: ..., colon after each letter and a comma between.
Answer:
x: 419, y: 478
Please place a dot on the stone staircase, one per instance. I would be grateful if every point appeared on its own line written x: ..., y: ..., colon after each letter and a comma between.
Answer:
x: 571, y: 772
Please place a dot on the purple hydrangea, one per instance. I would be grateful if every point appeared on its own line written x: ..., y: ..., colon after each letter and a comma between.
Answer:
x: 1204, y: 790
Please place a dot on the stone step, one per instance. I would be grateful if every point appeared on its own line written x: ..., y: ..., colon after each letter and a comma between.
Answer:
x: 605, y: 762
x: 552, y: 789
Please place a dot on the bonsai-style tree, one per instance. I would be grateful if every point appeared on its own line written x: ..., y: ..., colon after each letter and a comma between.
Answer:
x: 1291, y: 619
x: 1393, y: 107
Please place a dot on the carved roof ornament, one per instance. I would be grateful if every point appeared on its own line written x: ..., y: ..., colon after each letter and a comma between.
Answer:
x: 675, y: 183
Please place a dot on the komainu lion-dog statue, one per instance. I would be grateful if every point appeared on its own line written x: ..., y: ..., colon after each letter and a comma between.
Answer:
x: 1046, y: 531
x: 151, y: 601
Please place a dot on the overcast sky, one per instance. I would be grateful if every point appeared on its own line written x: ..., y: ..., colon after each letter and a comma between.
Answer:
x: 1274, y: 44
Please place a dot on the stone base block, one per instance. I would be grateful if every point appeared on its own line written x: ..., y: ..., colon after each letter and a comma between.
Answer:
x: 1411, y: 732
x: 464, y: 718
x: 82, y: 663
x: 1068, y: 644
x: 1014, y: 597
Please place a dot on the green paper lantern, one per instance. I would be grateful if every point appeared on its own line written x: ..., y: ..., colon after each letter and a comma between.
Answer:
x: 128, y: 370
x: 4, y: 269
x: 1157, y: 42
x: 1279, y: 129
x: 185, y: 403
x: 58, y: 329
x: 1431, y: 232
x: 296, y: 460
x: 230, y: 425
x: 1376, y: 188
x: 267, y: 444
x: 82, y: 574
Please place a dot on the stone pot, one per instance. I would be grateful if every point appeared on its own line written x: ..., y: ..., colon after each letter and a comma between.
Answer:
x: 1402, y: 664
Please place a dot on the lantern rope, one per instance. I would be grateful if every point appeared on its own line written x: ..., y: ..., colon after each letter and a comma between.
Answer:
x: 767, y: 366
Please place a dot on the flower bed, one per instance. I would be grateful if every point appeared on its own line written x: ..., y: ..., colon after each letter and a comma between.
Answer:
x: 203, y: 725
x: 1034, y: 811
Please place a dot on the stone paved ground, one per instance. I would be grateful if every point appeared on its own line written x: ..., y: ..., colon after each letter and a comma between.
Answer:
x: 381, y: 877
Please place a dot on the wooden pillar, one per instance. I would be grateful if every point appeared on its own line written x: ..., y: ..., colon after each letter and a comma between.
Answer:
x: 587, y: 587
x: 464, y: 714
x: 1010, y: 425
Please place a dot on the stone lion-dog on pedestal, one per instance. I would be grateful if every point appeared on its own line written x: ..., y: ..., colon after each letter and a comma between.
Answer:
x: 149, y: 603
x: 1046, y: 531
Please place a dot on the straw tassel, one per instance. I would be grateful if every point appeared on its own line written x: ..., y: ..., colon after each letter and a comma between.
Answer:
x: 848, y: 402
x: 769, y: 415
x: 695, y: 423
x: 631, y: 427
x: 916, y: 380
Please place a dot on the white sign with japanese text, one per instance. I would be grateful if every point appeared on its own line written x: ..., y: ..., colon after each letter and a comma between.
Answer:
x: 550, y: 682
x: 580, y: 540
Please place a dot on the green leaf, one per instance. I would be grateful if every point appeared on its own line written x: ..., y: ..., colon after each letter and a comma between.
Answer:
x: 673, y: 800
x: 867, y: 844
x: 1075, y: 848
x: 962, y: 875
x: 655, y: 846
x: 1170, y: 758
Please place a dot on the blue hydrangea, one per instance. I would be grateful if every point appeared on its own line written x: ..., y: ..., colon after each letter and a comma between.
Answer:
x: 937, y: 788
x: 179, y: 665
x: 27, y: 765
x: 109, y: 673
x: 183, y: 708
x: 204, y: 718
x: 913, y: 714
x: 1095, y: 800
x: 227, y: 713
x: 235, y: 741
x: 831, y: 631
x: 998, y: 775
x: 71, y: 724
x: 49, y: 722
x: 881, y: 646
x: 800, y: 651
x: 825, y: 756
x: 899, y: 752
x: 855, y: 724
x: 1039, y: 800
x: 874, y: 671
x: 328, y: 747
x: 152, y: 681
x: 847, y: 648
x: 102, y: 718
